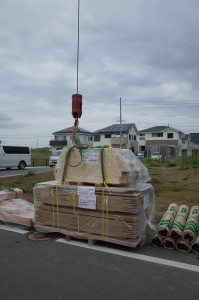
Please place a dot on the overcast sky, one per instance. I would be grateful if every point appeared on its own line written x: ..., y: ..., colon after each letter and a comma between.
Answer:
x: 144, y: 51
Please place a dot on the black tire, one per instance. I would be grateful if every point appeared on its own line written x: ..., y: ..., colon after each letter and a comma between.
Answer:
x: 21, y: 165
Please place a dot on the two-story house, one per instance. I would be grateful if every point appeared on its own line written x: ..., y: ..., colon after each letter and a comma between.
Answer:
x: 63, y: 138
x: 164, y: 139
x: 192, y: 144
x: 116, y: 135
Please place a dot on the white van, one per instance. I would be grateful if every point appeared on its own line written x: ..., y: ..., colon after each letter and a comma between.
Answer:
x: 14, y: 156
x: 54, y: 158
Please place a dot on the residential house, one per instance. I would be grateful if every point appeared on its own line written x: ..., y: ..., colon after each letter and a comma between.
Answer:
x: 116, y: 135
x: 63, y: 138
x: 164, y: 139
x: 192, y: 145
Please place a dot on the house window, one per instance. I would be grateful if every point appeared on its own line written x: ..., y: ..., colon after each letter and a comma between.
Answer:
x: 96, y: 138
x: 170, y: 135
x: 134, y: 137
x: 90, y: 138
x: 142, y: 134
x: 170, y: 151
x: 158, y: 134
x: 195, y: 152
x: 107, y: 136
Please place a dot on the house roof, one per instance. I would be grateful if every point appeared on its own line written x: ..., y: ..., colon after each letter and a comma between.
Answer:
x: 194, y: 137
x: 155, y: 129
x: 185, y: 136
x: 116, y: 128
x: 69, y: 130
x: 159, y: 129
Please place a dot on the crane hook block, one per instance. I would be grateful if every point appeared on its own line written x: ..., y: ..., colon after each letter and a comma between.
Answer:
x: 76, y: 106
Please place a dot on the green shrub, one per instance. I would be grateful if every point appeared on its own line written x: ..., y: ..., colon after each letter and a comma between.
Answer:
x: 30, y: 173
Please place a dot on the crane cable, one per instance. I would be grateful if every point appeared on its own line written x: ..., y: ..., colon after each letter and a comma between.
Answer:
x: 78, y: 45
x: 75, y: 128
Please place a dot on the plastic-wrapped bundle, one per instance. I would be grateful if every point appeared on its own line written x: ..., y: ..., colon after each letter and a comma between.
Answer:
x: 102, y: 166
x: 17, y: 211
x: 118, y: 215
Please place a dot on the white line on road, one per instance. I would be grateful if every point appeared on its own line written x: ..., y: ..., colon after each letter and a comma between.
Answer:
x: 151, y: 259
x: 13, y: 228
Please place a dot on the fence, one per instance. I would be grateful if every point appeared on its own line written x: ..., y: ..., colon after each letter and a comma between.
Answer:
x: 38, y: 162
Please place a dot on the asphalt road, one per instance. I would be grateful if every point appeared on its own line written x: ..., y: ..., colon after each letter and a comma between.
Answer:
x: 16, y: 172
x: 59, y: 270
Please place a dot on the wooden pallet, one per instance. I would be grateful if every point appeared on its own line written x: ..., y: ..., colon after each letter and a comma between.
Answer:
x: 91, y: 242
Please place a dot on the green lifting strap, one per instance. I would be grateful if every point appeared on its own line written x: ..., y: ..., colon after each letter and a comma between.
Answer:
x: 66, y: 164
x: 80, y: 150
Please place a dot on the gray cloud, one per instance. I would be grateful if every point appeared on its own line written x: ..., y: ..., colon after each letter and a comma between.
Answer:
x: 143, y: 51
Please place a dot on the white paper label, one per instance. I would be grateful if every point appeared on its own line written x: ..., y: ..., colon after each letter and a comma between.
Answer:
x: 90, y: 157
x: 86, y: 197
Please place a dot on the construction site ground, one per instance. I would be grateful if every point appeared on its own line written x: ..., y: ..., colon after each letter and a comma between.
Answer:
x: 174, y: 184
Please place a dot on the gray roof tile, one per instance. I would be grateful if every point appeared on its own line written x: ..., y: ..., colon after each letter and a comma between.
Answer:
x: 70, y: 130
x: 194, y: 137
x: 115, y: 128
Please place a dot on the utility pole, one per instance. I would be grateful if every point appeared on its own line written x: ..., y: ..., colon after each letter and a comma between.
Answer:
x: 120, y: 123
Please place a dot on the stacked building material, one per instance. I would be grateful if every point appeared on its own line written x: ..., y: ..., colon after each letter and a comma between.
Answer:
x: 195, y: 244
x: 167, y: 220
x: 117, y: 215
x: 118, y: 167
x: 14, y: 209
x: 10, y: 194
x: 182, y: 233
x: 190, y: 231
x: 177, y: 227
x: 164, y: 226
x: 97, y: 195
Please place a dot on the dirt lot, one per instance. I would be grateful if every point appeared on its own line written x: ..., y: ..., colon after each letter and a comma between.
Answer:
x: 174, y: 184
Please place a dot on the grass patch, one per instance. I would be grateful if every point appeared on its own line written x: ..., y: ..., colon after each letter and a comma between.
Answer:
x: 30, y: 173
x: 171, y: 164
x: 41, y: 153
x: 26, y: 183
x: 183, y: 163
x: 40, y: 156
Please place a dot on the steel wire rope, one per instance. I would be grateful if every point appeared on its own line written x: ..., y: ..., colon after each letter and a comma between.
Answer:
x: 80, y: 150
x: 78, y: 45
